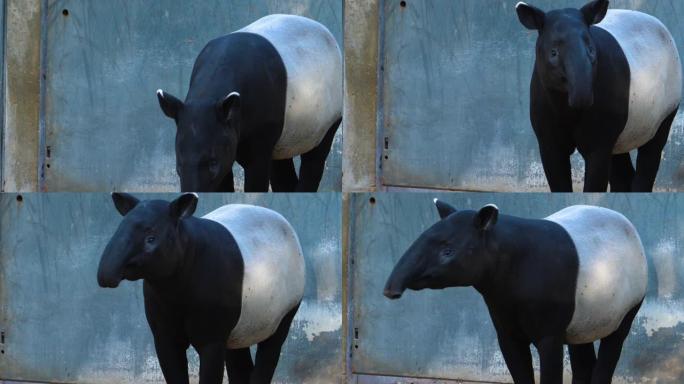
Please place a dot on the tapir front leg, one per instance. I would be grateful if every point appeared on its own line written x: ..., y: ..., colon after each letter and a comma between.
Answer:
x: 597, y: 170
x: 172, y: 359
x: 550, y: 359
x: 258, y: 167
x: 212, y: 357
x: 518, y: 358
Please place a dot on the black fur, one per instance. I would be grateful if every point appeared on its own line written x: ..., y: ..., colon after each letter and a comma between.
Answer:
x: 193, y: 273
x: 579, y: 100
x: 526, y: 271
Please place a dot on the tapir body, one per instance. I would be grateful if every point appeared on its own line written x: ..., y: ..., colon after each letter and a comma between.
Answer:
x: 221, y: 283
x: 575, y: 277
x: 605, y: 82
x: 260, y: 96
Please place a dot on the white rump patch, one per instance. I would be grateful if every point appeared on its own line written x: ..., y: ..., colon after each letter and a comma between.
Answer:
x: 613, y: 274
x: 313, y: 63
x: 656, y: 74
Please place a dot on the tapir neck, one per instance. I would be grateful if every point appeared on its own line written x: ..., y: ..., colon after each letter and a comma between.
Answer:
x: 191, y: 239
x: 508, y: 244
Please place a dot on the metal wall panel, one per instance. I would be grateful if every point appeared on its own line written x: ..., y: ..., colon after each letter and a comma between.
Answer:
x: 448, y: 334
x: 59, y: 326
x: 106, y: 59
x: 456, y: 96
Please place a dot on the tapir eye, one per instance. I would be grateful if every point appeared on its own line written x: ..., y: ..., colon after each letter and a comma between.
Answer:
x: 554, y: 53
x: 213, y: 163
x: 150, y: 239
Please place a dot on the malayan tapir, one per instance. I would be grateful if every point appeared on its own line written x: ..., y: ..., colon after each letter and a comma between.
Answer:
x: 604, y: 83
x: 577, y: 276
x: 259, y: 96
x: 221, y: 283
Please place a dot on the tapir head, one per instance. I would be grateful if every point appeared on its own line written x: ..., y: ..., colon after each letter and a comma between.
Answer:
x: 452, y: 253
x: 207, y: 135
x: 147, y: 244
x: 566, y: 53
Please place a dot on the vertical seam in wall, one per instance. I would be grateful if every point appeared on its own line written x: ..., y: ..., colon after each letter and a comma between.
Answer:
x: 347, y: 233
x: 380, y: 102
x: 3, y: 41
x: 41, y: 101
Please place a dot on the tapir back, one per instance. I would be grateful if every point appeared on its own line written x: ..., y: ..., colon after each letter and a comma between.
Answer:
x: 612, y: 276
x: 313, y: 63
x: 273, y: 282
x: 655, y: 89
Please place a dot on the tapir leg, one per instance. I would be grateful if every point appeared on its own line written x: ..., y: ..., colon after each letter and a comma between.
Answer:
x: 550, y: 359
x: 268, y: 351
x: 583, y: 360
x: 212, y: 363
x: 621, y: 173
x: 518, y: 359
x: 313, y: 162
x: 283, y: 176
x: 172, y: 359
x: 258, y: 167
x: 611, y: 348
x: 239, y: 365
x: 556, y: 164
x: 648, y: 160
x: 597, y: 171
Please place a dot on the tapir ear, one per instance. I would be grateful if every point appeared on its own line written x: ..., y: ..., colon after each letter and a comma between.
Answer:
x: 595, y: 11
x: 169, y: 104
x: 124, y: 202
x: 228, y: 108
x: 184, y: 206
x: 486, y: 217
x: 531, y: 17
x: 445, y: 210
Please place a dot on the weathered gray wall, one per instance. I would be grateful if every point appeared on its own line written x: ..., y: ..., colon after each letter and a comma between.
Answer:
x: 59, y: 326
x: 456, y: 96
x: 448, y: 334
x: 106, y: 59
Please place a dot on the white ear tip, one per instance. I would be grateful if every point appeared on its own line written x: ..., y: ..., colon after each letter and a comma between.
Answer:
x: 233, y: 94
x: 492, y: 206
x: 435, y: 200
x: 160, y: 93
x: 194, y: 194
x: 519, y: 4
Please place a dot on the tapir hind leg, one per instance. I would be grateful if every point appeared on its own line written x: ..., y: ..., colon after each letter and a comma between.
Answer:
x: 621, y: 173
x: 582, y: 360
x: 283, y: 176
x: 648, y: 160
x: 239, y: 365
x: 611, y: 348
x: 313, y: 162
x: 268, y: 351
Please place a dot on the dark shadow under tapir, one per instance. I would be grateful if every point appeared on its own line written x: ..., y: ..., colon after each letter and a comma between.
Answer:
x: 221, y: 283
x: 259, y: 96
x: 577, y: 276
x: 604, y: 83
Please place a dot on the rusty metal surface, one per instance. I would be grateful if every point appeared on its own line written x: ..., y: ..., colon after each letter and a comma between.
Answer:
x: 456, y: 96
x: 59, y: 326
x: 448, y: 334
x: 21, y: 94
x: 106, y: 59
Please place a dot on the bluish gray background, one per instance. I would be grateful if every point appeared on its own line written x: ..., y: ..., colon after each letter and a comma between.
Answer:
x: 106, y: 59
x: 449, y: 335
x: 456, y: 96
x: 60, y: 326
